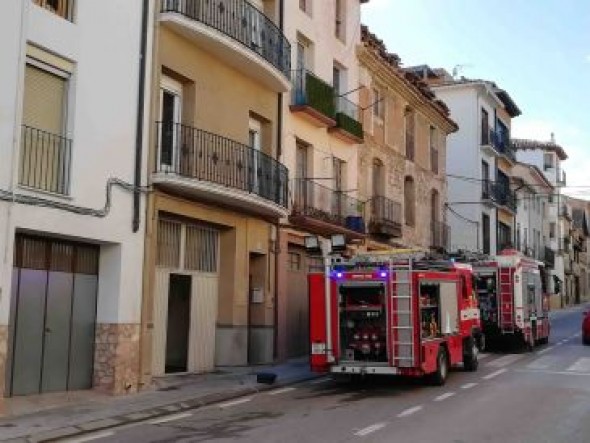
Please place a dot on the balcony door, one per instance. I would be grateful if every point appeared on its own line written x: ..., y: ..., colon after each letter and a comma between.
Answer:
x: 255, y: 132
x: 170, y: 127
x: 302, y: 189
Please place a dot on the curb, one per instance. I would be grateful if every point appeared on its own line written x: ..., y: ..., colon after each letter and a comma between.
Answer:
x: 151, y: 413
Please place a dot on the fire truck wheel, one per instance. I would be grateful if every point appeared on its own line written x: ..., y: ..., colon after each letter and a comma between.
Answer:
x: 470, y: 360
x: 439, y: 377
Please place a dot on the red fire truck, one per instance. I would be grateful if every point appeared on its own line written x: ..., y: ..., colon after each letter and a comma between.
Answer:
x: 393, y: 314
x: 511, y: 298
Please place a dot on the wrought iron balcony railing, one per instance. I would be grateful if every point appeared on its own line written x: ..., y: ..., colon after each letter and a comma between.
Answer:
x: 241, y: 21
x: 196, y: 154
x: 500, y: 143
x: 332, y: 206
x: 498, y: 194
x: 45, y: 161
x: 386, y: 217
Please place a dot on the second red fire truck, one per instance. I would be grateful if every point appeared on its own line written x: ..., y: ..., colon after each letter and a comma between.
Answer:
x: 394, y: 314
x: 514, y: 306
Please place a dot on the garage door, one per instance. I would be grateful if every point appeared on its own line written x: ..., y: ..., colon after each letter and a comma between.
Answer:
x: 53, y: 315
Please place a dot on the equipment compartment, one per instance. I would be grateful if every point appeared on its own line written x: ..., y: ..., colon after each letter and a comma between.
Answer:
x: 363, y: 321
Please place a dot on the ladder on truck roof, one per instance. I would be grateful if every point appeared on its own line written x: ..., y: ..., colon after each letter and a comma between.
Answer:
x: 505, y: 275
x: 402, y: 316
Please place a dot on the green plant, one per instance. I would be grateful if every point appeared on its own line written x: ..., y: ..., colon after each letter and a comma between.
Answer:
x: 320, y: 95
x: 349, y: 124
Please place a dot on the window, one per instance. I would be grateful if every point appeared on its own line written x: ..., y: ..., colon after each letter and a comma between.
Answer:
x: 485, y: 224
x: 301, y: 165
x: 504, y: 236
x: 552, y: 229
x: 409, y: 201
x: 305, y: 6
x: 62, y: 8
x: 170, y: 117
x: 294, y: 261
x: 410, y: 122
x: 485, y: 180
x: 485, y: 127
x: 378, y: 178
x: 503, y: 135
x: 378, y: 104
x: 340, y: 20
x: 548, y: 161
x: 433, y: 150
x: 44, y: 146
x: 519, y: 246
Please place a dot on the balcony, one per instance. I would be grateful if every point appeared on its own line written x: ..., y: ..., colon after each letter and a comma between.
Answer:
x: 495, y: 144
x: 386, y: 218
x: 45, y: 161
x: 440, y: 235
x: 565, y: 212
x: 313, y: 99
x: 199, y: 164
x: 565, y: 245
x: 348, y: 126
x: 326, y: 211
x: 494, y: 193
x: 236, y: 32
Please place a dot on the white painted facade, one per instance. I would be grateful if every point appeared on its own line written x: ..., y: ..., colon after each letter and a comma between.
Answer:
x: 464, y: 164
x: 102, y: 45
x: 555, y: 225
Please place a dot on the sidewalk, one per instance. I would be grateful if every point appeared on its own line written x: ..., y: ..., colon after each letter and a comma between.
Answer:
x: 51, y: 416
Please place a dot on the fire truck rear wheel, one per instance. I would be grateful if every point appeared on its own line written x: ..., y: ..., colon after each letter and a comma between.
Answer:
x: 470, y: 360
x: 439, y: 377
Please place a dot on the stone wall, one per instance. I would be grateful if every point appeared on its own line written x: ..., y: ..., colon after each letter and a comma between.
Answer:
x: 116, y: 359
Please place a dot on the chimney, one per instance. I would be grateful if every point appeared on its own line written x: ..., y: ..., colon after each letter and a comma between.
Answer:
x: 553, y: 138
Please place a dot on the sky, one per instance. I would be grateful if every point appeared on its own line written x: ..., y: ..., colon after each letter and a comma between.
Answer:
x: 537, y: 50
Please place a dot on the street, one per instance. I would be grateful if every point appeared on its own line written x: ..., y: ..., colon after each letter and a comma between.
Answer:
x: 541, y: 396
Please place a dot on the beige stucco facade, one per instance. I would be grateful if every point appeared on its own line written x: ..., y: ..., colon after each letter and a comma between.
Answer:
x: 218, y: 196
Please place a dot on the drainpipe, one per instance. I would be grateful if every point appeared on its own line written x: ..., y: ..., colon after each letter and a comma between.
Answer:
x: 278, y: 223
x: 140, y: 116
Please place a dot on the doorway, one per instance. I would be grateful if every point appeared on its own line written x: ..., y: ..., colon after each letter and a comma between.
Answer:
x: 177, y: 336
x: 54, y: 295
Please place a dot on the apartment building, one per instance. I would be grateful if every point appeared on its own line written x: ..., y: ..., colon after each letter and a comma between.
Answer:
x: 402, y: 163
x: 481, y: 203
x: 321, y: 138
x: 71, y: 214
x: 220, y: 71
x: 533, y: 191
x: 580, y: 291
x: 547, y: 156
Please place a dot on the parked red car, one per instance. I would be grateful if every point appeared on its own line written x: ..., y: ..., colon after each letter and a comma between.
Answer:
x: 586, y: 328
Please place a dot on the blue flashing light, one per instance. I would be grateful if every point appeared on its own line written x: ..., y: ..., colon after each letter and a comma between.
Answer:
x: 339, y: 275
x: 383, y: 274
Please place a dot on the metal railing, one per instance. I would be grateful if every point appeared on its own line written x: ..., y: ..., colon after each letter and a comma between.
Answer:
x: 498, y: 194
x: 385, y: 211
x: 200, y: 155
x: 241, y: 21
x: 439, y: 235
x: 62, y: 8
x: 45, y: 161
x: 500, y: 143
x: 320, y: 202
x: 310, y: 90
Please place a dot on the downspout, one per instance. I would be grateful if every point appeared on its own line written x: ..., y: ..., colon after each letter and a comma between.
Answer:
x: 278, y: 223
x: 140, y: 116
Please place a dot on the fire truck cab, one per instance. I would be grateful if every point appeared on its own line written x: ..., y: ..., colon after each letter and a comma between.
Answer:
x: 392, y: 315
x: 513, y: 304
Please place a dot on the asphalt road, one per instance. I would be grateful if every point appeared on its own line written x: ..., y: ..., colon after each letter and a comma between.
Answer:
x: 543, y: 396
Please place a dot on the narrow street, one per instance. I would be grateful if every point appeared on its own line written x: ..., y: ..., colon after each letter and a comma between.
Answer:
x: 542, y: 396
